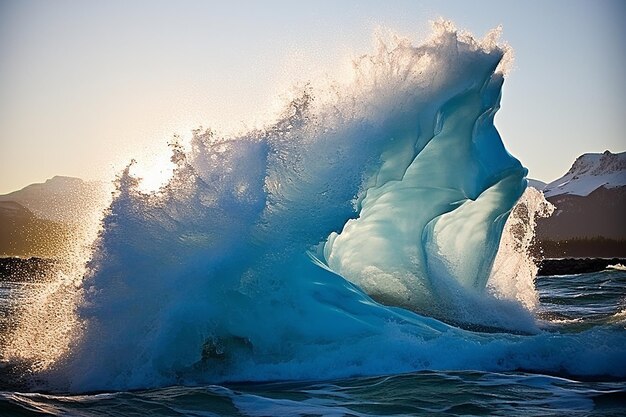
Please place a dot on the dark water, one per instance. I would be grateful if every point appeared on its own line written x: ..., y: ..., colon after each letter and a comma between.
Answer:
x: 568, y: 304
x: 578, y: 302
x: 424, y: 393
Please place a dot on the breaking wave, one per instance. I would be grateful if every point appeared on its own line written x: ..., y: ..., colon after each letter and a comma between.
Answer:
x: 356, y: 235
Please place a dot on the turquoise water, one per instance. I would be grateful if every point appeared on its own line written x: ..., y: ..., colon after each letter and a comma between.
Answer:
x: 569, y: 304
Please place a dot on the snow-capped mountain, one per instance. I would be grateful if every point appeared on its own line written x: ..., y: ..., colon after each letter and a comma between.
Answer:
x: 590, y: 201
x: 589, y: 172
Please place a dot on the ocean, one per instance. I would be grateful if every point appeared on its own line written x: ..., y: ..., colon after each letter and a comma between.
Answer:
x: 568, y: 304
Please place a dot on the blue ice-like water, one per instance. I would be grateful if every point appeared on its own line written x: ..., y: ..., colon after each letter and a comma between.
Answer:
x: 355, y: 236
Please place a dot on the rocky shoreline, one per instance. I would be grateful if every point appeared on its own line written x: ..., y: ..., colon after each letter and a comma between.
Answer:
x: 570, y: 266
x: 24, y: 269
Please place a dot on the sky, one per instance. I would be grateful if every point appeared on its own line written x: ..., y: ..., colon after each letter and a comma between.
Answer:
x: 87, y: 85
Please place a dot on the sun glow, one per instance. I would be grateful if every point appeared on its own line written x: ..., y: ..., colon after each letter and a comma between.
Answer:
x: 153, y: 172
x: 152, y: 164
x: 153, y: 169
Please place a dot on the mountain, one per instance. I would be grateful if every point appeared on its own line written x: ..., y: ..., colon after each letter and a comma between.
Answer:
x: 60, y: 199
x: 537, y: 184
x: 601, y: 213
x: 23, y: 234
x: 589, y: 172
x: 42, y: 219
x: 590, y: 214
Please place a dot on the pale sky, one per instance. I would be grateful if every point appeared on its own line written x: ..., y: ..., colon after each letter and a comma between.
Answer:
x: 87, y: 85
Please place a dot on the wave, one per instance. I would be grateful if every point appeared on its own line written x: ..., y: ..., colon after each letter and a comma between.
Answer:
x: 356, y: 235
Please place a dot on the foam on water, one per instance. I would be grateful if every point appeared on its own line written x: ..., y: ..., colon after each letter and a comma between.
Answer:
x: 263, y: 256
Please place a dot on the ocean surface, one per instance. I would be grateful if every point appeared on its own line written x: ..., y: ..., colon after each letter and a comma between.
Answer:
x: 568, y: 303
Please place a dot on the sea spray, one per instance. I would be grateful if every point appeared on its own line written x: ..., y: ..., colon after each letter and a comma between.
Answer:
x: 514, y: 270
x: 45, y: 326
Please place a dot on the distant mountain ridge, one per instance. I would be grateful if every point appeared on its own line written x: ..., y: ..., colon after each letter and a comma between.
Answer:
x: 60, y: 199
x: 599, y: 214
x: 589, y: 172
x: 590, y: 202
x: 42, y: 219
